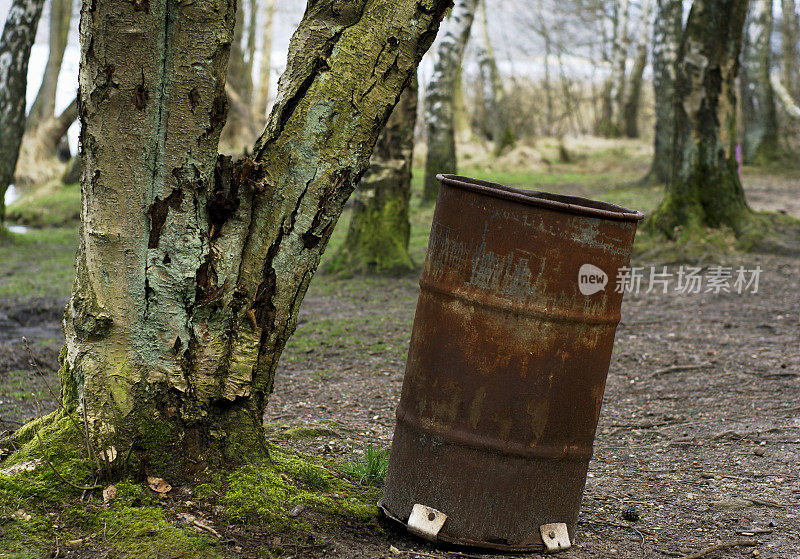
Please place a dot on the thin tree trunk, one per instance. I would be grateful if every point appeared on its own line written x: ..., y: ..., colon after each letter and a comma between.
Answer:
x: 787, y: 102
x: 439, y: 110
x: 191, y: 268
x: 759, y: 114
x: 790, y: 35
x: 667, y: 30
x: 262, y: 99
x: 19, y: 33
x: 251, y: 51
x: 236, y: 131
x: 44, y: 105
x: 377, y: 240
x: 618, y: 65
x: 704, y: 188
x: 633, y: 93
x: 489, y: 111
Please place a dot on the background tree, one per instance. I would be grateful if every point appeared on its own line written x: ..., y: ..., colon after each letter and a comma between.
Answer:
x: 265, y: 69
x: 19, y: 33
x: 191, y: 268
x: 704, y: 187
x: 610, y: 123
x: 760, y: 121
x: 44, y: 105
x: 377, y: 239
x: 790, y: 56
x: 438, y: 103
x: 238, y: 131
x: 667, y: 31
x: 633, y: 91
x: 488, y: 117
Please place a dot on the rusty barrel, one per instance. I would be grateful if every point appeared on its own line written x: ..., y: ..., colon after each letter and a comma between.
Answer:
x: 507, y: 362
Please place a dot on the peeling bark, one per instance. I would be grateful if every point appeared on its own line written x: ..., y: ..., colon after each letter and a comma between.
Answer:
x: 704, y: 188
x: 377, y: 239
x: 759, y: 113
x: 438, y: 103
x: 667, y: 30
x: 19, y: 33
x: 191, y: 267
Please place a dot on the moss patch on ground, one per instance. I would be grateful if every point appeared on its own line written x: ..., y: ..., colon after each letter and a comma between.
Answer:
x: 51, y: 496
x: 39, y: 263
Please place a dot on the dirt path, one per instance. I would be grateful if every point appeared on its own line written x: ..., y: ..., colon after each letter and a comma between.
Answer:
x: 699, y: 432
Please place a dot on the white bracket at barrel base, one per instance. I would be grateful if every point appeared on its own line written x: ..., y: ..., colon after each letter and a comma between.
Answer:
x: 426, y: 522
x: 555, y: 537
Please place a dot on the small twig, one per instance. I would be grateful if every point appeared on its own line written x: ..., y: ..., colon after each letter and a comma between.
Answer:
x: 680, y: 369
x: 62, y: 478
x: 725, y: 545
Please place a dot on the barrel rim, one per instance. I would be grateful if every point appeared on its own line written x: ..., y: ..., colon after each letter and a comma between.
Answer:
x: 558, y: 202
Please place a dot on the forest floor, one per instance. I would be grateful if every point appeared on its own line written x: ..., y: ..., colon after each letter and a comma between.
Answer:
x: 700, y: 427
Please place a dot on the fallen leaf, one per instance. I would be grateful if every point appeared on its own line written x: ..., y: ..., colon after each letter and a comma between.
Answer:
x: 109, y: 493
x: 394, y: 550
x: 158, y: 485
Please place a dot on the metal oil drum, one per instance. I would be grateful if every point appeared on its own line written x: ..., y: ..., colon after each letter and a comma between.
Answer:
x: 507, y: 363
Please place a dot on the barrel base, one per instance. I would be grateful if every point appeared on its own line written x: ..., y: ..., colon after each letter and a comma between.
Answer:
x: 492, y: 500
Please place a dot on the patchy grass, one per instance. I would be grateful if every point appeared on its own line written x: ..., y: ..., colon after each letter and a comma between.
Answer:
x: 52, y: 205
x: 369, y: 467
x: 39, y: 263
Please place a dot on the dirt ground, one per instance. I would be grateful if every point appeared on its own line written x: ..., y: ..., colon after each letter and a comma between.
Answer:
x: 699, y: 435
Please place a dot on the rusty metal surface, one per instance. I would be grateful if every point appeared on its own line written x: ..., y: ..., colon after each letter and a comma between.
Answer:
x: 507, y: 363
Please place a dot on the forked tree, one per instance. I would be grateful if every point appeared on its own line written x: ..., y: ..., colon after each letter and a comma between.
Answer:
x: 191, y: 267
x: 704, y: 188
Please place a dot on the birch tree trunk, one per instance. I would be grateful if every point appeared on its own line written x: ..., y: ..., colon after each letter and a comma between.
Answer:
x: 191, y: 268
x: 38, y: 154
x: 19, y: 33
x: 704, y: 188
x: 633, y: 92
x: 790, y: 35
x: 44, y: 106
x: 488, y: 119
x: 759, y: 115
x: 438, y: 104
x: 667, y: 30
x: 377, y: 240
x: 265, y: 69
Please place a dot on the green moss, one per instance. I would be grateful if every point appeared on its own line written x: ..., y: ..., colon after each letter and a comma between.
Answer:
x: 39, y: 263
x: 264, y: 494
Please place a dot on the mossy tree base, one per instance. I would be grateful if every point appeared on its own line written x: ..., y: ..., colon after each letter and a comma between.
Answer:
x: 44, y: 501
x: 377, y: 240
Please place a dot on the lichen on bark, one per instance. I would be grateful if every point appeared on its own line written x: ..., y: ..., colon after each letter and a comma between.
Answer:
x: 192, y: 267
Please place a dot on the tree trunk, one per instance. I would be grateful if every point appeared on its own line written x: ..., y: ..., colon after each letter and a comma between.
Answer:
x: 377, y: 240
x: 265, y: 70
x: 236, y: 131
x: 704, y: 188
x: 667, y: 30
x: 191, y: 268
x: 618, y: 64
x: 39, y: 151
x: 44, y: 106
x: 438, y: 104
x: 610, y: 123
x: 759, y: 115
x: 633, y: 93
x: 19, y: 33
x: 489, y: 112
x: 790, y: 35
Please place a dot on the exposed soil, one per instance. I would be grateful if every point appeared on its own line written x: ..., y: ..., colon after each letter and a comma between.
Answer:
x: 699, y: 435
